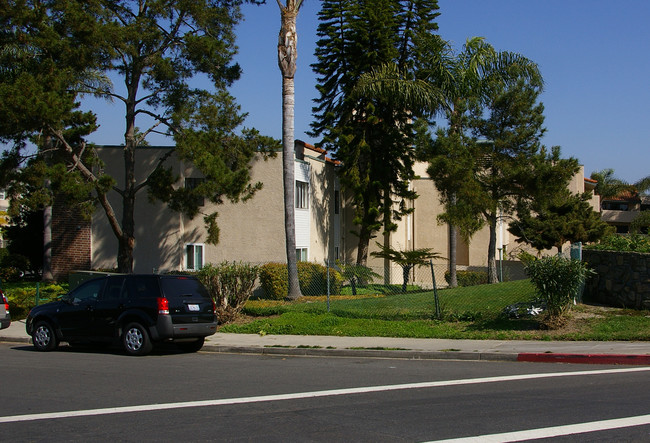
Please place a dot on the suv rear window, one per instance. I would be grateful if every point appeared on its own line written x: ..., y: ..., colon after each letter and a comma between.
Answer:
x: 182, y: 287
x: 143, y: 286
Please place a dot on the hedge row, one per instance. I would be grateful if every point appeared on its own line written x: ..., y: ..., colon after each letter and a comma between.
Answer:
x: 312, y: 278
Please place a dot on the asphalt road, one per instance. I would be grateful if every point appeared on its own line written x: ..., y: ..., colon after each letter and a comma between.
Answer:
x: 88, y: 395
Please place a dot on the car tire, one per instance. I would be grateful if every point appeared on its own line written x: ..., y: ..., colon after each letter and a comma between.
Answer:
x: 135, y: 339
x: 191, y: 346
x: 44, y: 337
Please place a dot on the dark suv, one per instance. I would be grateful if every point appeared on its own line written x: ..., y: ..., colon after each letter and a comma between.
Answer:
x: 136, y: 310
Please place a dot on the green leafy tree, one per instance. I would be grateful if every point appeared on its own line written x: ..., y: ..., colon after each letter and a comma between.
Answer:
x: 372, y: 135
x: 287, y: 55
x: 157, y: 49
x: 48, y: 72
x: 513, y: 169
x: 566, y: 218
x: 407, y: 260
x: 466, y: 79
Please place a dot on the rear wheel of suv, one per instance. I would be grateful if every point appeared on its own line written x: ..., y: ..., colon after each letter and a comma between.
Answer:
x: 191, y: 346
x: 135, y: 339
x: 44, y: 338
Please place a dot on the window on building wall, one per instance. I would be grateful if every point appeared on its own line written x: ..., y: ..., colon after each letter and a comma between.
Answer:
x: 192, y: 183
x: 193, y: 257
x: 302, y: 195
x: 337, y: 202
x: 301, y: 254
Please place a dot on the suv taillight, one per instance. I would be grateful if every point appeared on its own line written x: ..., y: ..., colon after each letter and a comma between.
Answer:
x: 4, y: 299
x: 214, y: 306
x: 163, y: 306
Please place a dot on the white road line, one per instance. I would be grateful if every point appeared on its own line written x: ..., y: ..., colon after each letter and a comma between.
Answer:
x: 555, y: 431
x: 304, y: 395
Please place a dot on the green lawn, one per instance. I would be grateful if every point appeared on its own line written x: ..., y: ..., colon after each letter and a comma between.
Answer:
x: 470, y: 313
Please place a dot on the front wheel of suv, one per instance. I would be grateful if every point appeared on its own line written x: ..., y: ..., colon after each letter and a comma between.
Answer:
x: 135, y: 339
x: 44, y: 337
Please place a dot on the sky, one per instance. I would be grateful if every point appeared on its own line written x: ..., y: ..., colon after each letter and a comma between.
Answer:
x: 594, y: 56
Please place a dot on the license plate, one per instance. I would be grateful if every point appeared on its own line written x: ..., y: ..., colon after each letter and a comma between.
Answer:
x: 193, y: 308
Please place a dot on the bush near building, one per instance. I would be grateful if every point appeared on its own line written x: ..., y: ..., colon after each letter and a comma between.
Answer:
x: 311, y: 276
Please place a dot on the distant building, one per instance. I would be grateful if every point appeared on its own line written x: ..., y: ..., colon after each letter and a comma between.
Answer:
x: 621, y: 210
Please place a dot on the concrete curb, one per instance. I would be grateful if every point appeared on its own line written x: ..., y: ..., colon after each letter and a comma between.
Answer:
x: 27, y: 340
x: 361, y: 353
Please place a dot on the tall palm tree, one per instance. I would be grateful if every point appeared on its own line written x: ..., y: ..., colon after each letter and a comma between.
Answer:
x: 447, y: 82
x: 287, y: 54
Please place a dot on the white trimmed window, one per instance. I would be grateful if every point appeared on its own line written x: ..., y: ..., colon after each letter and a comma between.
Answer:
x: 193, y: 256
x: 301, y: 254
x: 302, y: 195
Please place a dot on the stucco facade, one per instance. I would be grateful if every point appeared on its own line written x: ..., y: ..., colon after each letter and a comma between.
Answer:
x: 253, y: 231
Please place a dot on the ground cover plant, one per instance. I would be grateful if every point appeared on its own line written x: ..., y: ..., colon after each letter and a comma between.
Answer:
x: 477, y: 312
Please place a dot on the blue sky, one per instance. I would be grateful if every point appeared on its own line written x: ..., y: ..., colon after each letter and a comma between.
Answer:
x: 594, y: 56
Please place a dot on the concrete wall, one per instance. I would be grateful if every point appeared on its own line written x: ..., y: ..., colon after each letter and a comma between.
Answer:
x: 622, y: 279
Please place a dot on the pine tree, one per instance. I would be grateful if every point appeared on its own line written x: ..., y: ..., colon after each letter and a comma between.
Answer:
x: 512, y: 169
x: 564, y: 218
x: 372, y: 136
x: 156, y: 48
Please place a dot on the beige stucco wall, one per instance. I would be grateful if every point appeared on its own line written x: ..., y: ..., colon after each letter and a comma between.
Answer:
x: 251, y: 231
x: 157, y: 229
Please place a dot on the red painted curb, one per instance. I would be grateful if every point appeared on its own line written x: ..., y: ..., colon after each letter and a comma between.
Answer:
x: 601, y: 359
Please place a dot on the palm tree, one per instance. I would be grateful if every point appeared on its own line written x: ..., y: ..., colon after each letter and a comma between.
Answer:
x: 609, y: 186
x: 287, y: 54
x: 643, y: 185
x: 447, y: 82
x: 406, y: 259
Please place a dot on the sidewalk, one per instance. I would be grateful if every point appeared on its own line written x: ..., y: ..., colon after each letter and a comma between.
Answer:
x: 628, y: 353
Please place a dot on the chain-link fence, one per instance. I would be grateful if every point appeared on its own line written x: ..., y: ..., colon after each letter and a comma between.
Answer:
x: 410, y: 292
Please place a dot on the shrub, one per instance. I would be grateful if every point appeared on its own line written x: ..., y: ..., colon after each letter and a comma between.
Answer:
x: 230, y: 285
x: 312, y: 278
x: 469, y: 278
x: 558, y: 282
x: 624, y: 243
x: 274, y: 280
x: 21, y: 300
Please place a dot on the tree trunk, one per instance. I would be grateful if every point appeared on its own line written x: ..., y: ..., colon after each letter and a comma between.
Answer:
x: 453, y: 240
x: 126, y: 241
x: 362, y: 248
x: 47, y: 242
x: 406, y: 272
x: 287, y: 53
x: 492, y: 249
